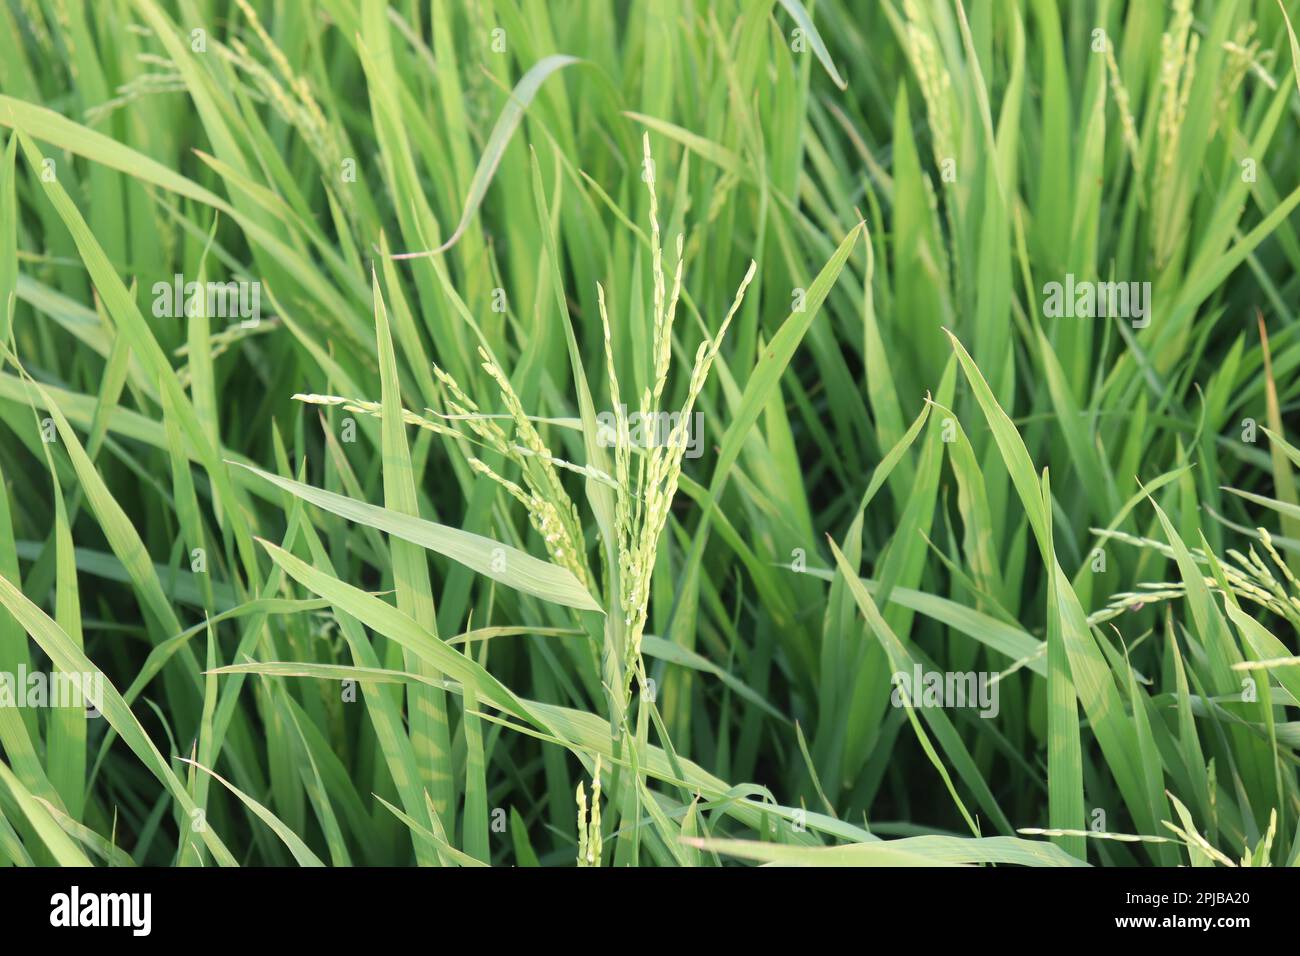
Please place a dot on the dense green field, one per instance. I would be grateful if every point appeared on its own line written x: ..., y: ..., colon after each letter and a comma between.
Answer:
x: 649, y: 432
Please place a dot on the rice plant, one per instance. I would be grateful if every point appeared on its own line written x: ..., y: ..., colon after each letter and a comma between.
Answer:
x: 651, y: 433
